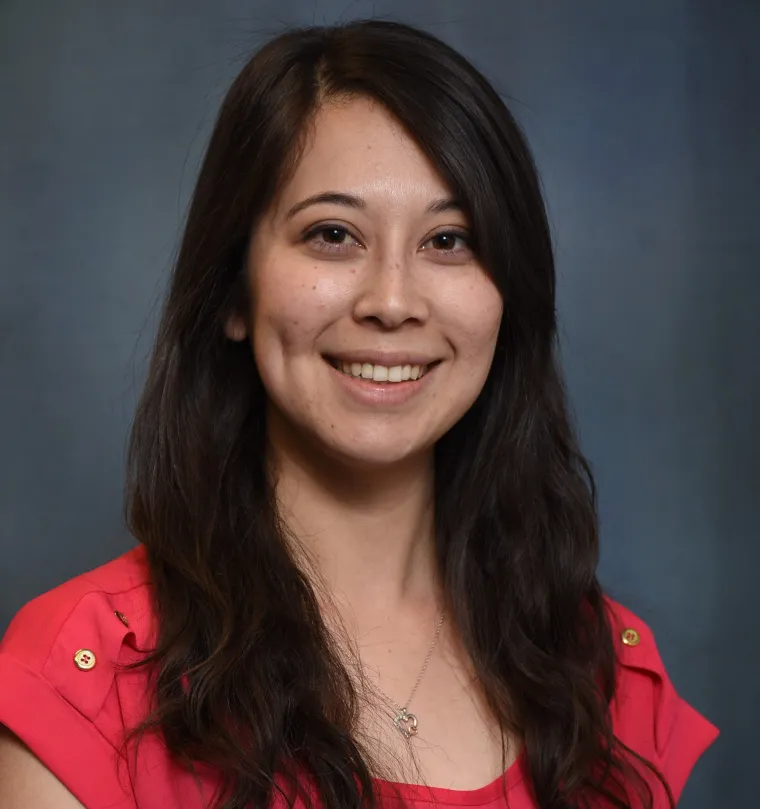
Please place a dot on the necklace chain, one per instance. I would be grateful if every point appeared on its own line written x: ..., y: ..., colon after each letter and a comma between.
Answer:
x: 405, y: 722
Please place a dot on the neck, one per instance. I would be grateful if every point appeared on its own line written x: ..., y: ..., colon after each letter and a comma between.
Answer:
x: 368, y: 533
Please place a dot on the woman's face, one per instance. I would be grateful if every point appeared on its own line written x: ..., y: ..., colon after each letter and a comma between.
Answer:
x: 360, y: 276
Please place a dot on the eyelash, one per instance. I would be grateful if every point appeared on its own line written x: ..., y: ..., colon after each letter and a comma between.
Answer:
x: 339, y: 248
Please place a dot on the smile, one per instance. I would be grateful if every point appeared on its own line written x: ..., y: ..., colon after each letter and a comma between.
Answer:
x: 379, y: 373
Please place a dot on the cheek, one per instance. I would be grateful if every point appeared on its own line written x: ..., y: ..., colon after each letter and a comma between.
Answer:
x: 477, y: 312
x: 293, y: 306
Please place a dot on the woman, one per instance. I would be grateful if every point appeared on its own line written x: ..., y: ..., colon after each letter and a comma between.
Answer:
x: 368, y: 540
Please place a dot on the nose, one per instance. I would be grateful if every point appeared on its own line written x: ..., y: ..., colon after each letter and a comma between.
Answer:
x: 390, y: 294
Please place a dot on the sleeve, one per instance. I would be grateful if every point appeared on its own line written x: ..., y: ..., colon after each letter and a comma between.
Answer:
x: 682, y: 735
x: 648, y: 713
x: 57, y: 692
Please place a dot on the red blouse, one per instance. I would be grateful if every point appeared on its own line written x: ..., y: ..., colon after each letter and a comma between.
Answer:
x: 61, y: 694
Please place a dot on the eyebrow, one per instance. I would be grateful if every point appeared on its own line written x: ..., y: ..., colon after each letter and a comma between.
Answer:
x: 352, y: 201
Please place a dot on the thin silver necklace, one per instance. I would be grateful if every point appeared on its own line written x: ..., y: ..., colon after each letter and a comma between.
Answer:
x: 406, y: 723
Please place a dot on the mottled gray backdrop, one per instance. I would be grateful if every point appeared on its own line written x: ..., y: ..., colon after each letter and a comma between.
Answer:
x: 645, y: 122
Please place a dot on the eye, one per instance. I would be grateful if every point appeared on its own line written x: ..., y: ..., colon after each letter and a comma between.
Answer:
x: 450, y: 244
x: 332, y: 238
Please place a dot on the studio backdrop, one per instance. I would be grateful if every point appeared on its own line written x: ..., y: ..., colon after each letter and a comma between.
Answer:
x: 645, y: 123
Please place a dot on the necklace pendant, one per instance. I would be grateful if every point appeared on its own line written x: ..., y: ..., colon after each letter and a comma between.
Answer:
x: 406, y: 723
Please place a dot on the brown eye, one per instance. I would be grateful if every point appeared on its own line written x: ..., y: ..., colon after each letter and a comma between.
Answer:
x: 328, y: 238
x: 334, y: 235
x: 445, y: 242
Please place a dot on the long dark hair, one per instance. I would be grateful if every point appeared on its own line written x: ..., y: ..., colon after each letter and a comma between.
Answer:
x: 245, y: 675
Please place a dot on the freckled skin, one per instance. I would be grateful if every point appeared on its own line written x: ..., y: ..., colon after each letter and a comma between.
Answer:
x: 392, y: 288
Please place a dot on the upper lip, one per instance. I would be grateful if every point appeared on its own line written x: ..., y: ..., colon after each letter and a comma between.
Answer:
x: 389, y: 359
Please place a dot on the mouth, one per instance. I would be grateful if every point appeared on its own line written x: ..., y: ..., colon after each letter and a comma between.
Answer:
x: 381, y: 374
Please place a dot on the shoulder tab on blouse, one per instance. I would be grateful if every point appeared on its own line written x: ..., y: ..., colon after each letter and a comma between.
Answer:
x: 75, y: 635
x: 635, y: 644
x: 85, y: 653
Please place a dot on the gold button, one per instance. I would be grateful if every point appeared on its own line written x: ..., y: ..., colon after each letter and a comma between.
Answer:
x: 84, y: 659
x: 121, y: 617
x: 631, y: 637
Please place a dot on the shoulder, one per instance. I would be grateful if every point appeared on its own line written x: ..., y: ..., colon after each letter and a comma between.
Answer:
x: 25, y: 782
x: 648, y: 714
x: 59, y: 659
x: 97, y: 610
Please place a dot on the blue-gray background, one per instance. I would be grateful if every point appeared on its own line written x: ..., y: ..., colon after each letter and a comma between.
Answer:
x: 645, y: 122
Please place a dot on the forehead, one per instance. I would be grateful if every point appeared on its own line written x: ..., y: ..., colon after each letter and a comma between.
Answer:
x: 357, y: 146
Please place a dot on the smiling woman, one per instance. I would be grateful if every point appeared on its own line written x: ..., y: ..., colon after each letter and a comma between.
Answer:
x: 366, y: 570
x: 395, y: 290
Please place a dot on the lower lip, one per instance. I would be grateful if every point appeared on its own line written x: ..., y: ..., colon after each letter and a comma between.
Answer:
x: 380, y: 394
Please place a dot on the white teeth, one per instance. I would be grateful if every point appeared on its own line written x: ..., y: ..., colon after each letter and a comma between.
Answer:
x: 381, y: 373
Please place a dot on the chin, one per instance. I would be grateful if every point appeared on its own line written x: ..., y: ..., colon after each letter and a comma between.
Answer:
x: 376, y: 455
x: 362, y: 445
